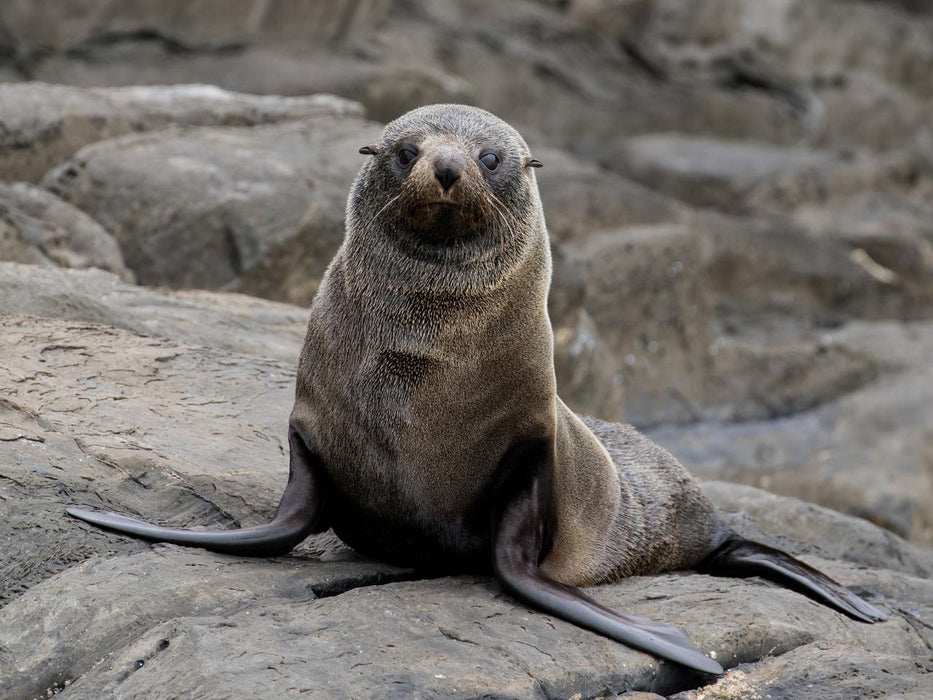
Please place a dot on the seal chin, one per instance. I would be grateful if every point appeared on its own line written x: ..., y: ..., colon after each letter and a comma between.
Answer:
x: 442, y: 222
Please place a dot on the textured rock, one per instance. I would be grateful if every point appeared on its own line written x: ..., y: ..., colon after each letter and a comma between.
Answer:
x: 711, y: 173
x: 41, y: 125
x: 34, y: 28
x: 580, y: 197
x: 786, y: 333
x: 187, y: 434
x: 231, y: 322
x: 867, y: 453
x: 267, y: 202
x: 643, y: 291
x: 856, y: 72
x: 39, y: 228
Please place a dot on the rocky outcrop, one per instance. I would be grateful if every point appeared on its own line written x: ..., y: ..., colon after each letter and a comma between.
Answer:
x: 231, y: 322
x: 192, y: 434
x: 738, y: 195
x: 41, y: 125
x: 37, y: 227
x: 266, y: 202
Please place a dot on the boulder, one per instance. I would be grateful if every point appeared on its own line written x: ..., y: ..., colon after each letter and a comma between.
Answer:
x: 866, y: 454
x: 41, y: 125
x: 39, y: 228
x: 232, y: 322
x: 856, y: 70
x: 266, y: 202
x: 713, y: 173
x: 580, y: 197
x: 33, y: 29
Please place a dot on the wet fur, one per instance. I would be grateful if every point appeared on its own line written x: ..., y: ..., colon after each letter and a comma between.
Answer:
x: 427, y: 430
x: 429, y: 353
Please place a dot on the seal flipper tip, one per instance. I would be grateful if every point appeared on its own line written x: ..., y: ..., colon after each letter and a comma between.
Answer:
x: 276, y: 537
x: 641, y: 633
x: 740, y: 558
x: 518, y: 537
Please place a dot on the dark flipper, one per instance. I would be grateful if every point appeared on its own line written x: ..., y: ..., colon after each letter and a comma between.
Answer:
x: 519, y: 536
x: 298, y: 515
x: 739, y: 558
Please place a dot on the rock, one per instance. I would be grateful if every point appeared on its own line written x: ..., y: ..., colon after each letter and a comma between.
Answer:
x: 388, y: 89
x: 643, y: 291
x: 188, y: 434
x: 160, y: 584
x: 39, y: 228
x: 712, y: 173
x: 231, y: 322
x: 208, y: 24
x: 522, y: 60
x: 860, y: 110
x: 41, y: 124
x: 864, y: 86
x: 580, y: 197
x: 865, y: 453
x: 267, y: 202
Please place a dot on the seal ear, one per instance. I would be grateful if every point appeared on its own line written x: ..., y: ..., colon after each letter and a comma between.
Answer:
x: 533, y: 163
x: 369, y: 150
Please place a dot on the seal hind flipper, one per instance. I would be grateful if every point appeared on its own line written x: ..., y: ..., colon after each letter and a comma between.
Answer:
x: 519, y: 539
x: 298, y: 515
x: 740, y: 558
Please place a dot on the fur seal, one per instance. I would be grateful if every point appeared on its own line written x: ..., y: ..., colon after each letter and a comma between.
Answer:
x: 427, y: 430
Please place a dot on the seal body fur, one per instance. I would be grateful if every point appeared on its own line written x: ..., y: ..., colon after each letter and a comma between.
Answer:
x: 425, y: 360
x: 427, y: 430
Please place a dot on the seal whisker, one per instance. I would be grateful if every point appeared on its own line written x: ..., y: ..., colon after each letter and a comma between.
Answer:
x: 505, y: 219
x: 382, y: 209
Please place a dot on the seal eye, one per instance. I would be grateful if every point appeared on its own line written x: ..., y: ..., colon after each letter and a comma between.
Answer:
x: 490, y: 160
x: 406, y: 156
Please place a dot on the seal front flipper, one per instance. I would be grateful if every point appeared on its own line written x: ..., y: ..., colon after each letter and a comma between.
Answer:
x: 299, y: 514
x: 740, y: 558
x: 519, y: 539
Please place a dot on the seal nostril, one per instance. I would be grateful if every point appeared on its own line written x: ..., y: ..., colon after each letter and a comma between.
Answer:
x: 447, y: 175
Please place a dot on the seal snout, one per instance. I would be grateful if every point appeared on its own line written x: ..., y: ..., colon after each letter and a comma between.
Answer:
x: 448, y: 165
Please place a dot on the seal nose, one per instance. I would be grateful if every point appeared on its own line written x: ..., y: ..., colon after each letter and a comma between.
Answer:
x: 447, y: 173
x: 448, y: 164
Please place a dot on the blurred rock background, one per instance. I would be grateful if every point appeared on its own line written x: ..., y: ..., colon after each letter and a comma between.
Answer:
x: 739, y: 195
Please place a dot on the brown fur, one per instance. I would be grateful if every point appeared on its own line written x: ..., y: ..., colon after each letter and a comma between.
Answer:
x: 429, y: 353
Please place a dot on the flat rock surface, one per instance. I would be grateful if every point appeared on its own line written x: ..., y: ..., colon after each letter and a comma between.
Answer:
x: 191, y: 435
x: 232, y: 322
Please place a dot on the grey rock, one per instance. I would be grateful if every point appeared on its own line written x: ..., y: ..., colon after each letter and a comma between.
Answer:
x: 161, y: 589
x: 386, y: 88
x: 643, y: 290
x: 191, y: 435
x: 267, y: 202
x: 34, y: 28
x: 852, y: 85
x: 580, y: 197
x: 232, y: 322
x: 713, y: 173
x: 39, y: 228
x: 865, y: 453
x: 41, y: 124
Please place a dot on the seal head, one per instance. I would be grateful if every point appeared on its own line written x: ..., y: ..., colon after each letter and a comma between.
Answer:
x: 448, y: 184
